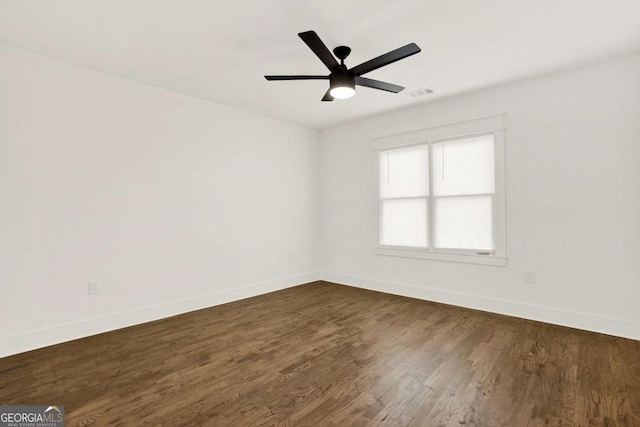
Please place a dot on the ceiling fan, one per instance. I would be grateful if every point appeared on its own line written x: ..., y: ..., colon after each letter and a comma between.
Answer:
x: 342, y: 81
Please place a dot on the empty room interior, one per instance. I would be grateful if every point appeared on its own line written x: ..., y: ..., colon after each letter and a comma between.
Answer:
x: 295, y: 213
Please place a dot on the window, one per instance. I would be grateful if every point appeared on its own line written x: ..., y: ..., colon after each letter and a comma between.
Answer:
x: 441, y: 196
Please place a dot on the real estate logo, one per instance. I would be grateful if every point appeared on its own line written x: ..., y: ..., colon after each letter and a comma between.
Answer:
x: 31, y: 416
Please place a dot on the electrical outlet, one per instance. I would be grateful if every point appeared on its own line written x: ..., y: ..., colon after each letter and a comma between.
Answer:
x: 530, y: 276
x: 94, y: 287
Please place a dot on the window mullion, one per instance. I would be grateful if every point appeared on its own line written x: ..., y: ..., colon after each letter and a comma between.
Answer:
x: 444, y: 196
x: 402, y: 198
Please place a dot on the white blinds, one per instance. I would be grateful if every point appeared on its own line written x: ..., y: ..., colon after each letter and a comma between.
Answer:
x: 404, y: 187
x: 464, y: 222
x: 404, y: 172
x: 463, y: 186
x: 462, y: 203
x: 463, y: 166
x: 404, y: 222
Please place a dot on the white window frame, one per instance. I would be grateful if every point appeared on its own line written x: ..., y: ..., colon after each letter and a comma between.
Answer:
x: 483, y: 126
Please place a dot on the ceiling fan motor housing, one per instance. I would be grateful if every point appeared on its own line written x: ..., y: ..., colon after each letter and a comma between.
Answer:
x: 342, y: 79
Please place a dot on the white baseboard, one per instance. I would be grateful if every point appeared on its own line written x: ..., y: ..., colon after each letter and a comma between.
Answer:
x: 70, y: 331
x: 57, y: 334
x: 589, y: 322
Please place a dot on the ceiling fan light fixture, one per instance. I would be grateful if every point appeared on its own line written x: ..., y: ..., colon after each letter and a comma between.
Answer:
x: 342, y: 92
x: 343, y: 85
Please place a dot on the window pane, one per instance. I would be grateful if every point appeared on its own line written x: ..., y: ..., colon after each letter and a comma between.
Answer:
x: 463, y: 166
x: 404, y: 172
x: 403, y: 222
x: 464, y: 222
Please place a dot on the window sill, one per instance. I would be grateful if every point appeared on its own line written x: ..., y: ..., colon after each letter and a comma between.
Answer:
x: 498, y: 261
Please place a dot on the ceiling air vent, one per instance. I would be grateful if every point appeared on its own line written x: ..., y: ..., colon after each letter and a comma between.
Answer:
x: 420, y: 92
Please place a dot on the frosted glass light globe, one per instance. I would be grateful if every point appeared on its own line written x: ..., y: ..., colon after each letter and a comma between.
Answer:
x: 342, y: 92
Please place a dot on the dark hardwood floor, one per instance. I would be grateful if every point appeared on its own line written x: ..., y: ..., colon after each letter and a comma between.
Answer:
x: 329, y: 355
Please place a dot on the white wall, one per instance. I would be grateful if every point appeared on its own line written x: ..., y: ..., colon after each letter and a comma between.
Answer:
x: 170, y: 202
x: 573, y: 202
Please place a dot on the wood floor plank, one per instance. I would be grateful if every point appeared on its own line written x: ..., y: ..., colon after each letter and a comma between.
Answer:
x: 328, y: 355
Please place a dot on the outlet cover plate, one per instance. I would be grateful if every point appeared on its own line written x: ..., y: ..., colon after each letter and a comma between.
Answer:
x: 94, y: 287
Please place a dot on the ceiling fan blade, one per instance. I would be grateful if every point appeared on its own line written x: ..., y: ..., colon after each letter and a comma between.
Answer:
x: 386, y: 59
x: 377, y: 84
x: 296, y: 77
x: 318, y: 47
x: 327, y: 96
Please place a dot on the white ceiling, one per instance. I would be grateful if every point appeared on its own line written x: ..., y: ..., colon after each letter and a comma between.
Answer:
x: 220, y: 50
